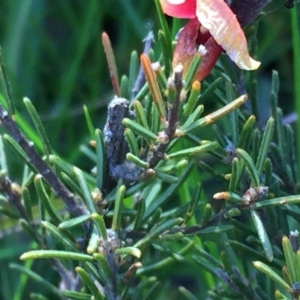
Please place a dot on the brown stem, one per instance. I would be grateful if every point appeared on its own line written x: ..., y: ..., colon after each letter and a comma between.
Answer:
x: 140, y: 80
x: 13, y: 196
x: 35, y: 159
x: 160, y: 150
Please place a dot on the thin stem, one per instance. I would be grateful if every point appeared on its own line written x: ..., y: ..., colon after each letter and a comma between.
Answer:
x: 173, y: 111
x: 172, y: 121
x: 213, y: 221
x: 35, y: 159
x: 13, y: 196
x: 69, y: 279
x: 140, y: 80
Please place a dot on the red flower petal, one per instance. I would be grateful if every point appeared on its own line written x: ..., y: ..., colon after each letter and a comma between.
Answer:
x: 187, y: 46
x: 217, y: 17
x: 213, y: 51
x: 183, y: 9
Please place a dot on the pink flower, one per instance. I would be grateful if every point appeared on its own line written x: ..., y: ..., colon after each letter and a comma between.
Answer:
x: 213, y: 25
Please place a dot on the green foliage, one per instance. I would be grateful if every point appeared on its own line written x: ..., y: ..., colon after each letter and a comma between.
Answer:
x: 205, y: 186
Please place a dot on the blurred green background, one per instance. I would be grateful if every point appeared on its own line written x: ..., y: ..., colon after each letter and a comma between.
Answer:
x: 53, y: 54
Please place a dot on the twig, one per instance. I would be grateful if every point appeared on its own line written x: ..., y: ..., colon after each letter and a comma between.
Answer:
x: 108, y: 247
x: 70, y: 281
x: 140, y: 80
x: 13, y: 196
x: 213, y: 221
x: 172, y: 121
x: 173, y: 110
x: 35, y: 159
x: 290, y: 119
x: 249, y: 198
x: 116, y: 146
